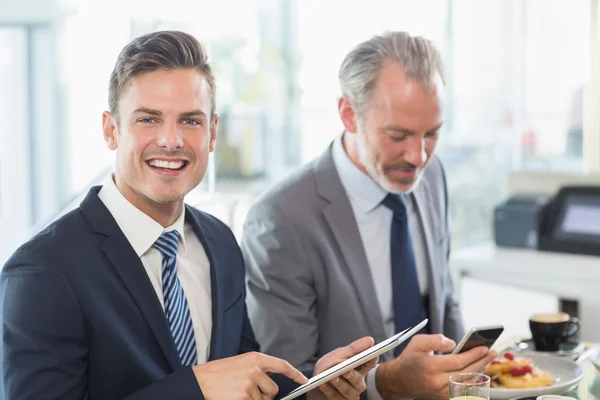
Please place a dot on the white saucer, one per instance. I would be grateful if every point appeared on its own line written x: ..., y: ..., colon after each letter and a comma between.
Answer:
x: 571, y: 348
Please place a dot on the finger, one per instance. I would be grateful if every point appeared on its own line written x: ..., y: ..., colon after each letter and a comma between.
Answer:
x: 472, y: 356
x: 430, y: 344
x: 480, y: 364
x: 343, y: 387
x: 254, y: 393
x: 279, y: 366
x: 265, y: 384
x: 343, y: 353
x: 356, y: 347
x: 330, y: 392
x: 366, y: 367
x: 356, y: 380
x: 458, y: 362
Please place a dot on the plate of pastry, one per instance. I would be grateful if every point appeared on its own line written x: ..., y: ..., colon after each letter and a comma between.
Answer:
x: 534, y: 375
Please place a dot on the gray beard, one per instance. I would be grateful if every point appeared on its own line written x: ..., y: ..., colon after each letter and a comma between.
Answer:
x: 370, y: 165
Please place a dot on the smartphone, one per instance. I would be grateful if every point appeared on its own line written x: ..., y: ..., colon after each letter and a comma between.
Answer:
x: 479, y: 336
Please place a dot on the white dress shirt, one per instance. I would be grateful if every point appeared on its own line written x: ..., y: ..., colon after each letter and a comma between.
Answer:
x: 374, y: 223
x: 193, y: 267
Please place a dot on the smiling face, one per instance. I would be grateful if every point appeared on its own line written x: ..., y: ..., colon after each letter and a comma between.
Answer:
x: 162, y: 136
x: 394, y: 139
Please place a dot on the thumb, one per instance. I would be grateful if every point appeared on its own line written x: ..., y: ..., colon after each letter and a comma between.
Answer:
x: 357, y: 346
x: 343, y: 353
x: 431, y: 343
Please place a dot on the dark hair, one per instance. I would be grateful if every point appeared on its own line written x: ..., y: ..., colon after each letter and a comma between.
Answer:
x: 164, y: 50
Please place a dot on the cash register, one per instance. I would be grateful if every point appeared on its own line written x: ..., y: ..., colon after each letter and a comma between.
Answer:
x: 516, y: 220
x: 570, y: 222
x: 567, y: 222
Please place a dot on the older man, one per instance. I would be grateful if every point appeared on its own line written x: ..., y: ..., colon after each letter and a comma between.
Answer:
x: 357, y: 242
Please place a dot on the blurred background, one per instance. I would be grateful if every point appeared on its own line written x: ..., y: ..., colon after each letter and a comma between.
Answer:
x: 517, y: 73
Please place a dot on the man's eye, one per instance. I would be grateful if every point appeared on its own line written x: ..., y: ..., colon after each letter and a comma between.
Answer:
x: 147, y: 120
x: 191, y: 122
x: 397, y: 138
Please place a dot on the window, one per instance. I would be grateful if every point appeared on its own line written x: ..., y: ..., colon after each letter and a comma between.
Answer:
x: 515, y: 76
x: 15, y: 209
x: 516, y: 72
x: 555, y: 67
x: 86, y: 59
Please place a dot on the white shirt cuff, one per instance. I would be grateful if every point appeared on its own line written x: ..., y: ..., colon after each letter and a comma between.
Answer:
x: 372, y: 393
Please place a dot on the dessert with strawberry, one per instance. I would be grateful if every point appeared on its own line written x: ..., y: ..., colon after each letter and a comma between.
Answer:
x: 513, y: 372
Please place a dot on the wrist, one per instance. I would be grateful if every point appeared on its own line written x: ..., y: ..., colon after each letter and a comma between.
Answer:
x: 390, y: 382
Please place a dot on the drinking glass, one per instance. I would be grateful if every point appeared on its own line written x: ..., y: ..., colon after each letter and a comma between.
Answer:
x: 469, y: 386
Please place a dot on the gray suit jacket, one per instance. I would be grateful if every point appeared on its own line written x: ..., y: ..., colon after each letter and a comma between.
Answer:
x: 310, y: 288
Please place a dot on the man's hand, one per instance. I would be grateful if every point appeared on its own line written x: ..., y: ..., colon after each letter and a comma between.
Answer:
x: 243, y: 377
x: 351, y: 384
x: 417, y: 372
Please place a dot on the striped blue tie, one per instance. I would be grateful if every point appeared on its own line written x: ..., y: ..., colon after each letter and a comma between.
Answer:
x: 176, y: 306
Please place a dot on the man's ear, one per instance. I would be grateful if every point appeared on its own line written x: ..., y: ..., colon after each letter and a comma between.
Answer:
x: 347, y: 114
x: 213, y: 132
x: 109, y: 130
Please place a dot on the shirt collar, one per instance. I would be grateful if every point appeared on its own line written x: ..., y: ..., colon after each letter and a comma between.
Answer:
x: 140, y: 230
x: 360, y: 187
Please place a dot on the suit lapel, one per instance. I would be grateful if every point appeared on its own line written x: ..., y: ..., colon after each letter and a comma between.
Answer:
x: 204, y: 234
x: 341, y: 220
x: 131, y: 270
x: 132, y: 273
x: 422, y: 199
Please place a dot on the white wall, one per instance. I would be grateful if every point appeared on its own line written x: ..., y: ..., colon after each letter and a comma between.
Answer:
x: 485, y: 303
x: 547, y: 183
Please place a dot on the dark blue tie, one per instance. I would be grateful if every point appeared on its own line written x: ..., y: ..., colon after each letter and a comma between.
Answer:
x: 408, y: 305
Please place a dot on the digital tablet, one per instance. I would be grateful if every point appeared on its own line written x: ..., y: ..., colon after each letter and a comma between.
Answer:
x: 355, y: 361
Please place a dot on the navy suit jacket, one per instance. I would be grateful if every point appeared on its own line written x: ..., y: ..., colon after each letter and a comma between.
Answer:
x: 81, y: 320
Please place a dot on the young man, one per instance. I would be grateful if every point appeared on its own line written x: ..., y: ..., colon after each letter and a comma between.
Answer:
x: 135, y: 295
x: 357, y: 242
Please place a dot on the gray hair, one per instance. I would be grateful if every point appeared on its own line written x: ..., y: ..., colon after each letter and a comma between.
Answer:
x: 358, y: 73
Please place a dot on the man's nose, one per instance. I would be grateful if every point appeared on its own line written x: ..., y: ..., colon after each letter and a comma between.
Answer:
x: 415, y: 153
x: 170, y: 136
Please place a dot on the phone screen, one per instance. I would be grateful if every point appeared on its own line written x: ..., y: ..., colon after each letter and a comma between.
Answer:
x: 481, y: 337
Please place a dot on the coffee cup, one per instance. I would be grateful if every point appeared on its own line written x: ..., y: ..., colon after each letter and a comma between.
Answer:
x: 548, y: 331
